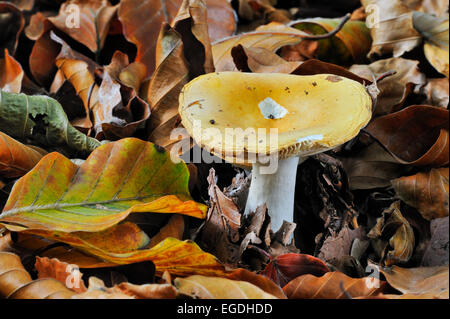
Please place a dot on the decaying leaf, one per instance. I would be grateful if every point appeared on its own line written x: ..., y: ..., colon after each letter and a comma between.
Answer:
x: 393, y: 228
x: 16, y: 159
x: 284, y: 268
x: 219, y: 288
x: 338, y: 245
x: 147, y: 291
x: 328, y: 286
x: 432, y: 281
x: 94, y: 20
x: 436, y: 92
x: 391, y: 27
x: 182, y: 53
x: 64, y: 272
x: 427, y: 124
x: 396, y: 88
x: 42, y: 120
x: 426, y: 191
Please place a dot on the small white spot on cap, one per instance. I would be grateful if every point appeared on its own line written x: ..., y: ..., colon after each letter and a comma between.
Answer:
x: 271, y: 109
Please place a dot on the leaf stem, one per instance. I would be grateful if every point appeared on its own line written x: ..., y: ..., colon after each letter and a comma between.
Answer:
x: 329, y: 34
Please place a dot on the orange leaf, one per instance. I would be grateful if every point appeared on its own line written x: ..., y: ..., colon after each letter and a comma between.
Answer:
x: 11, y: 74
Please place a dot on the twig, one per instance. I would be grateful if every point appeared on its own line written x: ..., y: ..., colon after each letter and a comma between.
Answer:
x: 329, y: 34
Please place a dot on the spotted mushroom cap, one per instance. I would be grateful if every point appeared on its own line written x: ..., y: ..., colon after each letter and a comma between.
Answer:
x: 231, y: 114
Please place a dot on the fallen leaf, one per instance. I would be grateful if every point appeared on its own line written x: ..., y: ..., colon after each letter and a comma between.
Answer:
x: 220, y: 232
x: 328, y: 287
x: 350, y: 44
x: 147, y: 291
x: 426, y: 191
x: 436, y: 7
x: 61, y: 271
x: 182, y: 53
x: 270, y: 37
x: 338, y: 245
x: 24, y: 5
x: 428, y: 124
x: 11, y: 23
x: 221, y: 19
x: 391, y: 27
x: 436, y: 92
x: 16, y: 282
x: 16, y: 159
x: 93, y: 22
x: 41, y: 120
x: 261, y: 281
x: 117, y: 179
x: 284, y: 268
x: 435, y: 32
x: 395, y: 88
x: 202, y: 287
x: 398, y: 234
x: 11, y: 74
x: 418, y: 281
x: 372, y: 167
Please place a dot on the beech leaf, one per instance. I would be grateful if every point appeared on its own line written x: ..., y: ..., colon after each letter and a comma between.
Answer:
x: 117, y: 179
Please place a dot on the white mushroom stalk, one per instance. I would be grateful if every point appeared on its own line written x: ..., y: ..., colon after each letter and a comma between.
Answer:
x: 276, y: 190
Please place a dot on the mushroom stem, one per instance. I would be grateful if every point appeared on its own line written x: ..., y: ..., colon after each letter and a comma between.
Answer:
x: 277, y: 190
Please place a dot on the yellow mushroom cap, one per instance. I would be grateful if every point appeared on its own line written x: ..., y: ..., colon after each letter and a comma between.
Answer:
x: 310, y: 113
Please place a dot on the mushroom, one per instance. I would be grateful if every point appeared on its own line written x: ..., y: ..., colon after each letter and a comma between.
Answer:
x: 301, y: 115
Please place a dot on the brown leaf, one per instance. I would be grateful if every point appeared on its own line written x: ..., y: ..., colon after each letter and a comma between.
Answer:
x: 436, y: 92
x: 16, y: 159
x: 11, y: 74
x: 328, y: 287
x: 391, y: 27
x: 436, y: 7
x: 418, y: 281
x: 258, y: 280
x: 398, y: 233
x: 436, y: 252
x: 372, y: 167
x: 16, y: 283
x: 79, y: 71
x: 270, y: 37
x: 119, y: 111
x: 426, y: 191
x: 174, y: 228
x: 182, y: 52
x: 61, y: 271
x: 94, y: 20
x: 284, y: 268
x: 219, y: 288
x: 11, y: 24
x: 416, y: 135
x: 393, y: 89
x: 24, y: 5
x: 338, y: 245
x: 221, y: 19
x: 260, y: 60
x: 45, y: 50
x: 220, y: 232
x: 147, y: 291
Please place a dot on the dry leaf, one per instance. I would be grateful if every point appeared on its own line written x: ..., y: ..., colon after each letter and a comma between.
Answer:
x: 426, y: 191
x: 437, y: 92
x: 94, y: 20
x: 11, y: 74
x: 147, y: 291
x: 61, y: 271
x: 416, y: 135
x: 393, y: 89
x: 418, y: 281
x: 397, y: 232
x: 16, y: 159
x: 437, y: 250
x: 391, y: 27
x: 219, y: 288
x: 329, y: 287
x: 11, y: 23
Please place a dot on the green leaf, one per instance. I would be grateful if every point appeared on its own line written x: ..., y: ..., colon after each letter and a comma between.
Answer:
x: 117, y: 179
x: 41, y: 120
